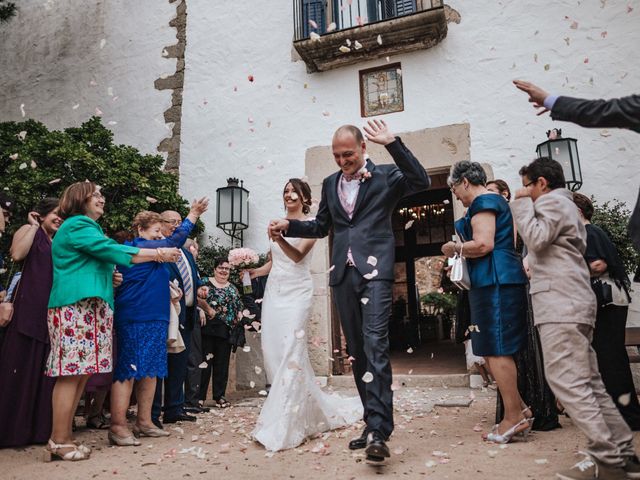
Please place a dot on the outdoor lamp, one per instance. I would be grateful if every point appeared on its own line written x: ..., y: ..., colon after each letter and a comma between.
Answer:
x: 232, y: 215
x: 565, y: 152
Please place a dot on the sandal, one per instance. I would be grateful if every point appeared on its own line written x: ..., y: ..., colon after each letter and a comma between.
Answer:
x: 53, y: 450
x: 222, y: 402
x: 98, y: 422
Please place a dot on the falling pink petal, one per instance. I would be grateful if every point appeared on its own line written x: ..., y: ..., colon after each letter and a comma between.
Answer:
x: 313, y: 24
x: 360, y: 21
x: 574, y: 25
x: 314, y: 37
x: 300, y: 334
x: 408, y: 225
x: 332, y: 26
x: 151, y: 200
x: 98, y: 112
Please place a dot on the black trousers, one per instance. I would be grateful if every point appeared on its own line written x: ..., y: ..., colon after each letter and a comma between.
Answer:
x: 194, y: 372
x: 217, y: 367
x: 366, y: 329
x: 613, y: 361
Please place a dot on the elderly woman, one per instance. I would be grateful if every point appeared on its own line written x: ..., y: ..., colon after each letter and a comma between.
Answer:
x: 25, y: 403
x: 80, y: 315
x: 607, y: 272
x: 497, y: 295
x: 141, y: 322
x: 223, y: 308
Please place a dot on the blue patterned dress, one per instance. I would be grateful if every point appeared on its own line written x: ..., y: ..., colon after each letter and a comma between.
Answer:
x: 141, y: 317
x: 497, y: 298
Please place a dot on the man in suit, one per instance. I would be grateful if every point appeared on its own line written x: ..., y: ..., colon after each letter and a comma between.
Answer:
x: 564, y: 308
x: 615, y: 113
x: 171, y: 401
x: 358, y: 202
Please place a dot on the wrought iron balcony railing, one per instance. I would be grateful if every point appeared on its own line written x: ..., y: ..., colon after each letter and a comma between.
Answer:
x: 325, y: 16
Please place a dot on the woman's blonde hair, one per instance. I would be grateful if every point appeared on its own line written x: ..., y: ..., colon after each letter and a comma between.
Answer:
x: 144, y: 220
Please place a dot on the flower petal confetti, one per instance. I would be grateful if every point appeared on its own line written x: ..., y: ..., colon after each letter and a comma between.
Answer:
x: 367, y: 377
x: 373, y: 261
x: 409, y: 350
x: 246, y: 349
x: 379, y: 39
x: 371, y: 275
x: 332, y: 26
x: 344, y: 49
x: 22, y: 135
x: 409, y: 224
x: 13, y: 156
x: 313, y: 36
x: 54, y: 181
x: 313, y: 24
x: 262, y: 393
x: 133, y: 367
x: 357, y: 45
x: 250, y: 78
x: 103, y: 42
x: 624, y: 399
x: 541, y: 461
x: 203, y: 365
x: 22, y: 166
x: 22, y: 112
x: 252, y: 384
x: 364, y: 300
x: 300, y: 334
x: 257, y: 369
x: 151, y: 200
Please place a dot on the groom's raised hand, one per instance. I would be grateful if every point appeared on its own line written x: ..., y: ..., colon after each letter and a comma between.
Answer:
x: 377, y: 132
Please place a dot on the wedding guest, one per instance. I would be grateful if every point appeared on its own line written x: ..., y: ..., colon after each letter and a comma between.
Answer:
x: 194, y: 373
x: 169, y: 398
x: 25, y: 403
x: 498, y: 288
x: 608, y: 272
x: 141, y: 323
x: 223, y: 308
x: 80, y: 314
x: 565, y: 311
x: 532, y: 384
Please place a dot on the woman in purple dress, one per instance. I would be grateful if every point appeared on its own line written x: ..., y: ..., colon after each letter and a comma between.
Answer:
x: 25, y: 403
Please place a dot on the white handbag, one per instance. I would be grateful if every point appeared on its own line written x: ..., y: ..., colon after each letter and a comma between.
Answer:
x: 175, y: 344
x: 459, y: 271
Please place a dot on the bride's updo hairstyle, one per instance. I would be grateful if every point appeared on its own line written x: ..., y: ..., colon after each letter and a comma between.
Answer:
x: 304, y: 193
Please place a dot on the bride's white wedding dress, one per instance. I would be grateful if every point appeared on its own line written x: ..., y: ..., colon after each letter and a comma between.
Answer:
x: 296, y: 407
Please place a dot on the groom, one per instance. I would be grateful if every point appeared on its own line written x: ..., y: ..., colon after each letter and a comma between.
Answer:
x: 357, y: 202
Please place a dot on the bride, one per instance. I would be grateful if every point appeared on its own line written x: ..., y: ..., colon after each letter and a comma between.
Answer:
x: 296, y: 407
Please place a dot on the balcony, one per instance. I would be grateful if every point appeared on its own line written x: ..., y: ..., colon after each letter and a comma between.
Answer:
x: 331, y: 34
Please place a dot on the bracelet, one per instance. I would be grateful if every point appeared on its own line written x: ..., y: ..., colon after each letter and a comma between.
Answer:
x: 158, y: 257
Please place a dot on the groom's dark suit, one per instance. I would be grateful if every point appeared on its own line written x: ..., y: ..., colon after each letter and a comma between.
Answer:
x: 369, y: 234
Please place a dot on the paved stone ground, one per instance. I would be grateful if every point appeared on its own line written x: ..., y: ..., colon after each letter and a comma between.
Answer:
x: 430, y: 441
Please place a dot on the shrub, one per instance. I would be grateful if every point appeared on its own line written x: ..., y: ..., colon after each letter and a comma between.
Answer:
x: 38, y: 163
x: 613, y: 217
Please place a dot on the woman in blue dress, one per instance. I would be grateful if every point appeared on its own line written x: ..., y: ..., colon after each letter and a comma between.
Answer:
x: 141, y: 318
x: 497, y: 295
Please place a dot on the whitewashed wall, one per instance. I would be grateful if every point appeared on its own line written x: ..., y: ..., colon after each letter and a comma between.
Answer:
x: 63, y: 59
x: 259, y: 130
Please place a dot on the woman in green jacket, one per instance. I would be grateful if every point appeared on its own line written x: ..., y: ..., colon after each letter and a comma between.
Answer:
x: 80, y: 316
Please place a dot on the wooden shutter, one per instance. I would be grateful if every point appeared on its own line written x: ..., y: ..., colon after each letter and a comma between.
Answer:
x: 313, y: 10
x: 397, y: 8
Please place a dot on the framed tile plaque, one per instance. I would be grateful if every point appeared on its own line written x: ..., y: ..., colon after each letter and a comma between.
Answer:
x: 381, y: 90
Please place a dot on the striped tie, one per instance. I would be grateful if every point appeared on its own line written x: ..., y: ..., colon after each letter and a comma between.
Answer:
x: 184, y: 273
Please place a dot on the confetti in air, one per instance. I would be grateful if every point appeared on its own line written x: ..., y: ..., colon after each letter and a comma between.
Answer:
x: 367, y: 377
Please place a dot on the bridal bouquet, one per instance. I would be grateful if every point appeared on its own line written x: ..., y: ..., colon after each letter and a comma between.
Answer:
x: 244, y: 258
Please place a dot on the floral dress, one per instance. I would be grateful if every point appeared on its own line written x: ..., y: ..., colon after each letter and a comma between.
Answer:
x: 227, y: 305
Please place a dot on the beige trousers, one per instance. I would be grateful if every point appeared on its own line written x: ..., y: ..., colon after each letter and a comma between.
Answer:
x: 572, y: 372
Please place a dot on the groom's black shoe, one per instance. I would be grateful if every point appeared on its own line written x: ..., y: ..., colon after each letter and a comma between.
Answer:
x: 376, y: 449
x: 360, y: 442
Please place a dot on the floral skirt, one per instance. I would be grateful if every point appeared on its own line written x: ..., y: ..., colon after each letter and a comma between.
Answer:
x: 81, y: 338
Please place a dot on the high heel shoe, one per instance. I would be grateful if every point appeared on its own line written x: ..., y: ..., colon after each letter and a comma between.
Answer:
x: 129, y: 441
x: 149, y: 432
x: 52, y: 450
x: 82, y: 447
x: 507, y: 436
